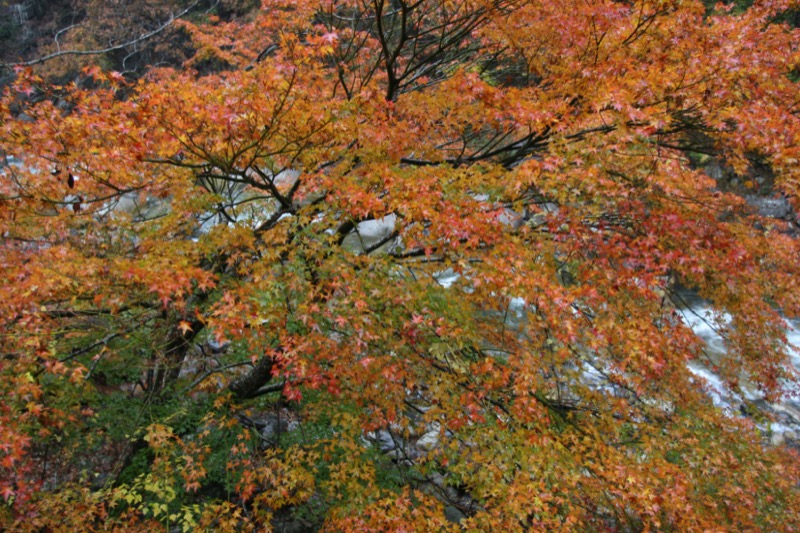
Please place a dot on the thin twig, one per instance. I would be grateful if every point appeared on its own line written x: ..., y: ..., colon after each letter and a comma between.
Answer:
x: 141, y: 38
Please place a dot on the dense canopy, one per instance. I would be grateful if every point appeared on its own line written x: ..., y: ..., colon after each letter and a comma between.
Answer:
x: 413, y: 265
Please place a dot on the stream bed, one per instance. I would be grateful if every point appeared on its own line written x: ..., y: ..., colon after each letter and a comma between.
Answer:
x: 785, y: 428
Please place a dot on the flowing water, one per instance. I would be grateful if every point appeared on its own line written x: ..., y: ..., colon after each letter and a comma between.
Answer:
x: 700, y: 316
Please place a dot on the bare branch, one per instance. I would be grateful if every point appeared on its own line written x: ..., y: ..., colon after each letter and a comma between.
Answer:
x: 100, y: 51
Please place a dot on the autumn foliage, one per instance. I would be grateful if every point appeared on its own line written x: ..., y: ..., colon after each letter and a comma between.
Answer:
x: 183, y: 253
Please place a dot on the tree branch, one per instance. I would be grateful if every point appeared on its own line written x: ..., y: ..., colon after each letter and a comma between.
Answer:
x: 100, y: 51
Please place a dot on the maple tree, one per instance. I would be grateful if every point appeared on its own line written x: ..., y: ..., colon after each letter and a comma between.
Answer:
x: 182, y: 251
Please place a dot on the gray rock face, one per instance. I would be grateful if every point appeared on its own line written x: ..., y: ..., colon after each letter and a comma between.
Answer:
x: 273, y: 425
x: 784, y: 428
x: 269, y: 425
x: 457, y: 501
x: 383, y: 439
x: 453, y: 514
x: 429, y: 440
x: 755, y: 186
x: 369, y: 233
x: 511, y: 218
x: 770, y: 207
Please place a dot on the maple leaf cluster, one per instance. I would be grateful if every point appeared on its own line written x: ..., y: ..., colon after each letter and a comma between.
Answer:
x: 462, y: 224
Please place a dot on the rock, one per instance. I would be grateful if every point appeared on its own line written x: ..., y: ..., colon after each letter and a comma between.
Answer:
x: 789, y: 435
x: 383, y: 439
x: 718, y: 172
x: 777, y: 439
x: 216, y: 347
x: 453, y: 514
x: 269, y: 425
x: 429, y: 440
x: 370, y: 233
x: 509, y: 217
x: 787, y: 414
x: 538, y: 219
x: 454, y: 498
x: 770, y: 207
x: 446, y: 277
x: 274, y: 427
